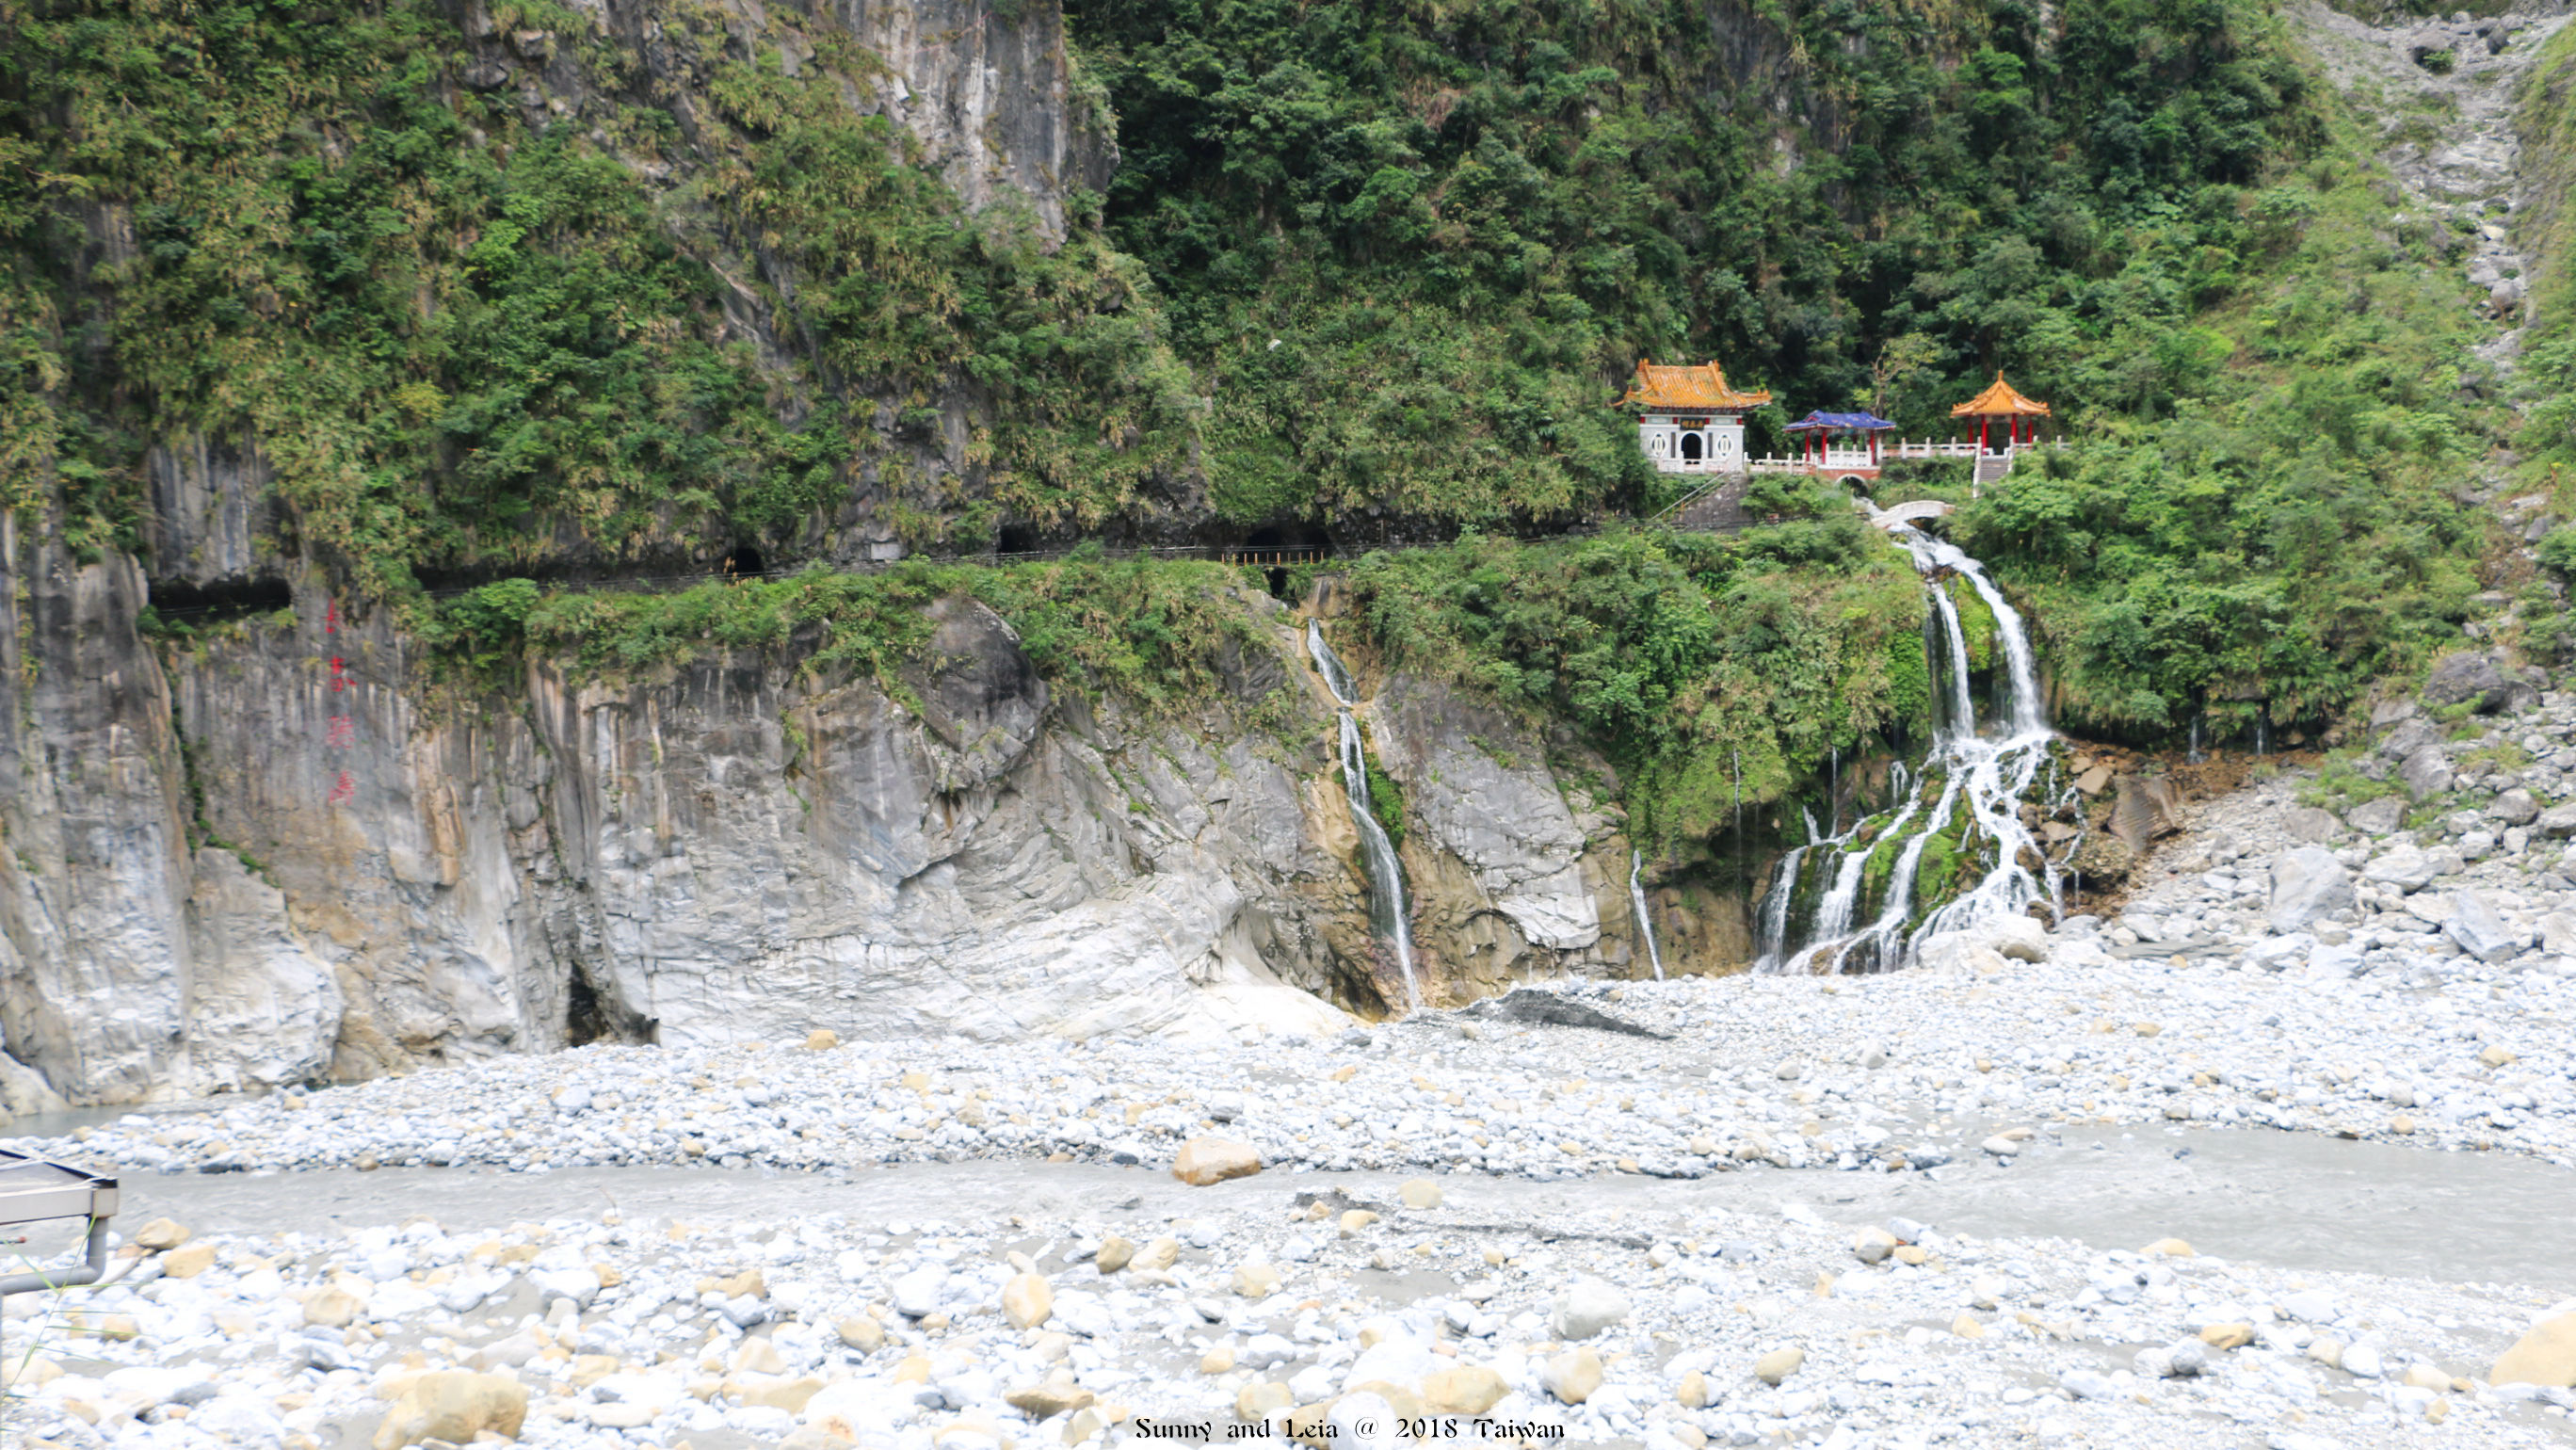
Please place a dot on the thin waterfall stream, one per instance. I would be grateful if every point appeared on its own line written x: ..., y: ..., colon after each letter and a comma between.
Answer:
x: 1976, y: 780
x: 1388, y: 915
x: 1637, y: 899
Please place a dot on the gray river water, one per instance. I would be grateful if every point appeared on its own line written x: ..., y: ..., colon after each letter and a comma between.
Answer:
x: 2295, y: 1200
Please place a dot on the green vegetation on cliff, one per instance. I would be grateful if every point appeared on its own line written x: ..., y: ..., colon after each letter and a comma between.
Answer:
x: 467, y: 342
x: 1710, y: 672
x: 2301, y: 526
x: 1158, y: 634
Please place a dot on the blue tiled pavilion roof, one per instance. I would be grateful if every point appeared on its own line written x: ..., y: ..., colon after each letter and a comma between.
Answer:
x: 1864, y: 422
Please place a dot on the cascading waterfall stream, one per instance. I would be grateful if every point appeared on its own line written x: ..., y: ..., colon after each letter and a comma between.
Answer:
x: 1637, y: 899
x: 1388, y: 914
x: 1983, y: 780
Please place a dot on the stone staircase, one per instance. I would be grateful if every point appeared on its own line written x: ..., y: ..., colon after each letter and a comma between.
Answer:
x: 1992, y: 467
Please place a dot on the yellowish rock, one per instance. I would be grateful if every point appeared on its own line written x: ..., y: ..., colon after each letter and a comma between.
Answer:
x: 1113, y: 1254
x: 1573, y: 1375
x: 915, y: 1370
x: 773, y: 1392
x: 1258, y: 1279
x: 1469, y: 1389
x: 2401, y: 1125
x: 1912, y: 1254
x: 1778, y: 1365
x: 1693, y: 1392
x: 455, y: 1406
x: 822, y: 1039
x: 758, y: 1356
x: 1203, y: 1161
x: 1406, y: 1404
x: 334, y: 1308
x: 2326, y: 1351
x: 188, y: 1262
x: 1419, y: 1193
x: 2227, y: 1336
x: 2497, y: 1057
x: 1873, y: 1245
x: 1081, y: 1425
x: 2545, y: 1356
x: 2168, y: 1249
x: 1028, y: 1301
x: 861, y: 1332
x: 1261, y: 1399
x: 1217, y: 1360
x: 1355, y: 1219
x: 160, y: 1235
x: 1057, y: 1396
x: 2424, y: 1376
x: 1157, y: 1255
x: 1967, y: 1327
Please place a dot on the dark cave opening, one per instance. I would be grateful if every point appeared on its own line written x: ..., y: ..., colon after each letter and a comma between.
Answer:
x: 203, y: 603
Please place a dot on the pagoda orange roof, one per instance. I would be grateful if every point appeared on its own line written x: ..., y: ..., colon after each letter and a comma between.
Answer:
x: 1998, y: 399
x: 1687, y: 388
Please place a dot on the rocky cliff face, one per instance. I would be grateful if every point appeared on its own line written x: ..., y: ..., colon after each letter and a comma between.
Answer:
x: 230, y: 866
x: 743, y: 850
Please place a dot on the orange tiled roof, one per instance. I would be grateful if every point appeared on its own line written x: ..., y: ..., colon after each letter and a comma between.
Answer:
x: 1996, y: 400
x: 1686, y: 388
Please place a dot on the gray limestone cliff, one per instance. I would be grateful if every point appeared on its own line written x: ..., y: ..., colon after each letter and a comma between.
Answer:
x: 744, y: 848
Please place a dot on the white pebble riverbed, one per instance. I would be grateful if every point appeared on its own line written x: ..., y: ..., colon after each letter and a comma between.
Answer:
x: 1794, y: 1165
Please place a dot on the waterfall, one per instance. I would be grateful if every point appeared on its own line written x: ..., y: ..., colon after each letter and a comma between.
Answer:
x: 1387, y: 911
x: 1982, y: 780
x: 1775, y: 914
x: 1637, y: 899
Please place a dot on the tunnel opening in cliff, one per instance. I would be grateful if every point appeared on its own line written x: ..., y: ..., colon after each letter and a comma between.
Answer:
x: 210, y: 603
x: 1278, y: 548
x: 744, y: 562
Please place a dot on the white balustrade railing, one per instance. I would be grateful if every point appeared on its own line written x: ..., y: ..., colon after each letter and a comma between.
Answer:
x: 1848, y: 457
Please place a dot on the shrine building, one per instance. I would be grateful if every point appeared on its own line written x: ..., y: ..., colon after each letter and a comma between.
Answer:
x: 1690, y: 420
x: 2002, y: 410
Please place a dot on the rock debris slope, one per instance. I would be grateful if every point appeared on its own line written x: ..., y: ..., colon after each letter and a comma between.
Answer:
x: 2443, y: 92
